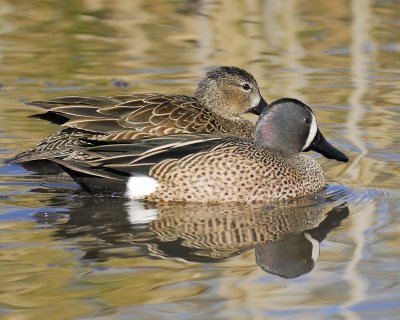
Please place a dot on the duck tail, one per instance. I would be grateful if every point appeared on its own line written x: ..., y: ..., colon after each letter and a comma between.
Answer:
x: 97, y: 181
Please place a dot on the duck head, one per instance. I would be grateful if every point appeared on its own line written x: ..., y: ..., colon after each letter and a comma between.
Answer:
x: 230, y: 92
x: 290, y: 126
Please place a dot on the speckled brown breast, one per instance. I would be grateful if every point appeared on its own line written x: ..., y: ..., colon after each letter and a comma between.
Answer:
x: 236, y: 170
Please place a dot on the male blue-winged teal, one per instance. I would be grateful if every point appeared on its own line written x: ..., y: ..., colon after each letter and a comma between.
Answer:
x: 221, y: 98
x: 210, y: 167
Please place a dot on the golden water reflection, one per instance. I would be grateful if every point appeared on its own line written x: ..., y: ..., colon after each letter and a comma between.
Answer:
x: 105, y: 258
x: 286, y: 238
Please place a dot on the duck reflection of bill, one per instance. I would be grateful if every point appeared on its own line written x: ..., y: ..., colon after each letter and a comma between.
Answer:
x: 286, y: 238
x: 296, y: 253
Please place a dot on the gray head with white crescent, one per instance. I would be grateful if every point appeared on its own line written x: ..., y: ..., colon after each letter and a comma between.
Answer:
x: 290, y: 126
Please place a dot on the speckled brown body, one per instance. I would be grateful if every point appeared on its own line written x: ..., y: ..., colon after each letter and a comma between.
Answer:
x: 236, y: 170
x: 217, y: 107
x: 143, y: 117
x: 206, y: 167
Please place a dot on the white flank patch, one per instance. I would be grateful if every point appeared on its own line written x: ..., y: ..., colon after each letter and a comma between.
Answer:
x: 137, y: 214
x: 139, y: 187
x: 315, y: 247
x: 312, y: 133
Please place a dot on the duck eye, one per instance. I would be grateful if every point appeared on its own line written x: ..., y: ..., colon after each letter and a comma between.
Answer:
x: 246, y: 86
x: 307, y: 120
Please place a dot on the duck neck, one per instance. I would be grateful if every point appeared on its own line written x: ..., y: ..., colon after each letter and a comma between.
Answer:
x: 208, y: 97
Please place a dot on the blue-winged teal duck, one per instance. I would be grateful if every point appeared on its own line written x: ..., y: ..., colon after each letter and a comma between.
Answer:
x: 212, y: 168
x: 221, y: 98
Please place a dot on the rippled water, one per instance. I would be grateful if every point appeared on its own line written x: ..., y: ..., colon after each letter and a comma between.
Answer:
x: 333, y: 256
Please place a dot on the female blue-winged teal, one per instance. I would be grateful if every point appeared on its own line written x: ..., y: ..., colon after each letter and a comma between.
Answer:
x: 222, y: 97
x: 212, y: 168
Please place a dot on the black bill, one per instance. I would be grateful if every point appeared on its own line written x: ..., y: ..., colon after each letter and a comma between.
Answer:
x: 319, y: 144
x: 259, y: 108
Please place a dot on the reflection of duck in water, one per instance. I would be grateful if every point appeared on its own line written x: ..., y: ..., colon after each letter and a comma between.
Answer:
x: 286, y: 239
x: 296, y: 253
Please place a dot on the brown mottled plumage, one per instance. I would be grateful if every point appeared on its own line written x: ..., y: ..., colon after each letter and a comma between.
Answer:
x: 236, y: 170
x: 222, y: 97
x: 212, y: 168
